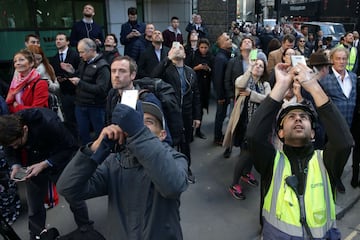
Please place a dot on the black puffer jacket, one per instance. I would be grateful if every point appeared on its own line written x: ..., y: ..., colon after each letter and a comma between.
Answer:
x: 94, y: 82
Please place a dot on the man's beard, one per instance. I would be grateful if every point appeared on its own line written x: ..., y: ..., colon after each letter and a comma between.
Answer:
x: 88, y: 15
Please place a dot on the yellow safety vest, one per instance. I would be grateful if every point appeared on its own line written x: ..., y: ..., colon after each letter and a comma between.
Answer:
x: 281, y: 206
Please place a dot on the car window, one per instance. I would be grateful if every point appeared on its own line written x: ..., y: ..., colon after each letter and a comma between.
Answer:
x: 339, y: 30
x: 328, y: 30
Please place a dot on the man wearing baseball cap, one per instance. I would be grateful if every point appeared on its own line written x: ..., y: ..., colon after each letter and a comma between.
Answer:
x: 296, y: 194
x: 143, y: 177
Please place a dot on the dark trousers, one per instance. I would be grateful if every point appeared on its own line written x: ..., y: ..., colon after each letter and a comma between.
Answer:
x: 221, y: 110
x: 68, y: 107
x: 356, y: 157
x: 36, y: 190
x: 188, y: 134
x: 243, y: 165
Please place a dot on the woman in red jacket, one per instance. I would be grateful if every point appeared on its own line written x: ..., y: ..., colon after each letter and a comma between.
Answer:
x: 26, y: 91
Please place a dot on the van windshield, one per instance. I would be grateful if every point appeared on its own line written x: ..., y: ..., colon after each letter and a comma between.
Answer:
x: 336, y: 30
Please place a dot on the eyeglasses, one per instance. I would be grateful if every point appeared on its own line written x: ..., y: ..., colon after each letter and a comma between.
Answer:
x: 302, y: 41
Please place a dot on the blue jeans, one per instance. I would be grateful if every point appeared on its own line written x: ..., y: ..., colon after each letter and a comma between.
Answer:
x: 86, y: 116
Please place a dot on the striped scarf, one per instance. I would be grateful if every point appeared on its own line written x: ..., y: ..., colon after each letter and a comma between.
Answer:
x: 259, y: 88
x: 17, y: 85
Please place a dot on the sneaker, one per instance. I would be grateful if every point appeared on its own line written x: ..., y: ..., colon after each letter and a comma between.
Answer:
x: 237, y: 192
x: 250, y: 179
x: 200, y: 134
x: 191, y: 177
x: 227, y: 152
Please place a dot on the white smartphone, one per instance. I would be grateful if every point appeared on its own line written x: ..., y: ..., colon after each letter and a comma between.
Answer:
x: 295, y: 59
x: 176, y: 45
x: 129, y: 98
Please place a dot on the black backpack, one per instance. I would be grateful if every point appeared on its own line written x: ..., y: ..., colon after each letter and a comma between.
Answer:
x: 166, y: 95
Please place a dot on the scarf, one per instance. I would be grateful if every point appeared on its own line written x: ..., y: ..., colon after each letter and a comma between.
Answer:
x: 18, y: 83
x: 259, y: 88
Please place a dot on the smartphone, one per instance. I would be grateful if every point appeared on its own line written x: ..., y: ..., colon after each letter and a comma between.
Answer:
x: 295, y: 59
x: 21, y: 174
x: 176, y: 45
x: 253, y: 54
x: 129, y: 98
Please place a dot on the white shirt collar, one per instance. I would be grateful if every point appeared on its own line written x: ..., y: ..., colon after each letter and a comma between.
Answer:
x: 345, y: 84
x: 64, y: 51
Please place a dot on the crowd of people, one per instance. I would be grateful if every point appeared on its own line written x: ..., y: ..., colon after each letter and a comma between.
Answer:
x: 94, y: 144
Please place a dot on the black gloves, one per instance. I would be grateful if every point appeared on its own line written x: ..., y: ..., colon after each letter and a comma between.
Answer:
x: 104, y: 150
x: 129, y: 120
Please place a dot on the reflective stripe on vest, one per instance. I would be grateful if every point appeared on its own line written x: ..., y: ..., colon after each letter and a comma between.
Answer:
x: 281, y: 207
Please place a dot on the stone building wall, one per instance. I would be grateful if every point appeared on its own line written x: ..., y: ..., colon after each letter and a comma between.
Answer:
x: 217, y: 15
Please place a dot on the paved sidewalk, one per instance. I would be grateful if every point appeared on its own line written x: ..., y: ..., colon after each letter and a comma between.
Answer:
x: 345, y: 201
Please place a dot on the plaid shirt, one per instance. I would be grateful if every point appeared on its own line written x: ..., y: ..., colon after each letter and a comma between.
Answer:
x: 335, y: 93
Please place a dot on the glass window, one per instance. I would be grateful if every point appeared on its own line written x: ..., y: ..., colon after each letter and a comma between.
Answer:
x: 32, y: 14
x: 51, y: 14
x: 42, y: 17
x: 14, y: 16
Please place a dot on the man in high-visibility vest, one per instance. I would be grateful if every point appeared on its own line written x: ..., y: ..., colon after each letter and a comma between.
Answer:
x: 353, y: 59
x: 296, y: 194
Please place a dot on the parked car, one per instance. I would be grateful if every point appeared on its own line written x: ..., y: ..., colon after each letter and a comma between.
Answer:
x: 329, y: 29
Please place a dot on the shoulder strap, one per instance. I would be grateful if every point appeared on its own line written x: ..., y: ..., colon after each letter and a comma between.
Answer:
x: 33, y: 87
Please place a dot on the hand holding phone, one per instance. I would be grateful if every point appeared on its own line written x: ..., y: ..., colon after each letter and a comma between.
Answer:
x: 295, y: 59
x: 253, y: 54
x: 176, y: 45
x: 21, y: 174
